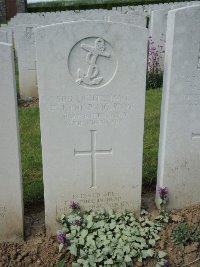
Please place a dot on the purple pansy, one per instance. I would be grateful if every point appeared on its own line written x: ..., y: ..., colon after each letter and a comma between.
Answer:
x: 74, y: 205
x: 163, y: 192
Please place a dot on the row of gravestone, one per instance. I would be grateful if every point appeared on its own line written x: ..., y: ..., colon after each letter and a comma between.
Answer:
x: 140, y: 9
x: 91, y: 80
x: 24, y: 25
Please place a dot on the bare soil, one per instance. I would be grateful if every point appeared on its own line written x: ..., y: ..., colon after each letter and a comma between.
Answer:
x: 28, y: 103
x: 39, y: 250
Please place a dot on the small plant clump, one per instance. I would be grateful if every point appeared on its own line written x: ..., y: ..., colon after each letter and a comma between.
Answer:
x: 154, y: 70
x: 162, y: 197
x: 109, y: 238
x: 184, y: 234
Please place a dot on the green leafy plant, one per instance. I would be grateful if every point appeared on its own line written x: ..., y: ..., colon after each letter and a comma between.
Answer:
x: 184, y: 234
x: 108, y: 238
x: 61, y: 263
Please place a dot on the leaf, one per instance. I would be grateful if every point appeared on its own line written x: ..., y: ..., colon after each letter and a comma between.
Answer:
x: 73, y: 249
x: 119, y: 258
x: 60, y: 263
x: 150, y: 252
x: 89, y: 218
x: 100, y: 259
x: 84, y: 233
x: 97, y: 225
x: 133, y: 253
x: 158, y: 202
x: 112, y: 225
x: 111, y: 213
x: 109, y: 261
x: 152, y: 242
x: 144, y: 254
x: 61, y: 245
x: 107, y: 250
x: 62, y: 217
x: 161, y: 254
x: 128, y: 258
x: 82, y: 253
x: 75, y: 264
x: 126, y: 249
x: 90, y: 224
x: 81, y: 241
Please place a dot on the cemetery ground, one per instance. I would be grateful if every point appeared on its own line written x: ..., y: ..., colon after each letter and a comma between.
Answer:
x: 39, y: 250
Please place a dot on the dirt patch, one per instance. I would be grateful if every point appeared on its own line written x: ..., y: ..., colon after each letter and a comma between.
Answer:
x: 38, y: 250
x: 32, y: 102
x: 179, y: 255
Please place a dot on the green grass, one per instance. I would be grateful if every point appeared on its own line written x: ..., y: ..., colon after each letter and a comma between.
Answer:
x: 31, y: 147
x: 31, y: 154
x: 17, y: 78
x: 151, y: 135
x: 184, y: 234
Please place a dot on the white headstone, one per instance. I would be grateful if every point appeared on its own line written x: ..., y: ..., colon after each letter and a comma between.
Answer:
x: 157, y: 30
x: 3, y: 36
x: 179, y: 152
x: 92, y: 114
x: 11, y: 207
x: 25, y: 47
x: 8, y: 30
x: 132, y: 19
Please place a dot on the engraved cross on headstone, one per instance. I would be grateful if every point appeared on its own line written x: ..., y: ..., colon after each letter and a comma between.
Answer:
x: 92, y: 153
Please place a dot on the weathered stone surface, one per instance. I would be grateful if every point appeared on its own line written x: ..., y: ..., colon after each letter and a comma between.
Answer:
x: 25, y: 47
x: 8, y: 35
x: 179, y: 156
x: 3, y: 36
x: 157, y: 30
x: 92, y: 114
x: 11, y: 207
x: 138, y: 20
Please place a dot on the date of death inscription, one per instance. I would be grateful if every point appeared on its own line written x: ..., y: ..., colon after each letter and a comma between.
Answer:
x: 92, y: 110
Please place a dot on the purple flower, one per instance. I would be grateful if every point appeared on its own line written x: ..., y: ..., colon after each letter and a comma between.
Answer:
x: 163, y: 192
x: 76, y: 222
x: 75, y: 206
x: 166, y: 264
x: 60, y: 237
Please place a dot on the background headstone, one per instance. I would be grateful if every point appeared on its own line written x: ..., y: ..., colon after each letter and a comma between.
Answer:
x: 3, y: 36
x: 8, y: 31
x: 93, y: 106
x: 25, y: 47
x: 11, y: 207
x: 157, y: 30
x: 138, y: 20
x: 179, y: 151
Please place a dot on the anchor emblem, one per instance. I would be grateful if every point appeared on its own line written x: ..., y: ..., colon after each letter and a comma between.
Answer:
x: 90, y: 78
